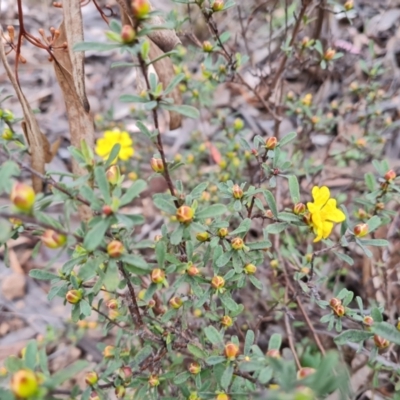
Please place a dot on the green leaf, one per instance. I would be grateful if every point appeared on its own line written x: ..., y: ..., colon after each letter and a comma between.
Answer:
x: 288, y: 217
x: 112, y: 278
x: 113, y: 155
x: 176, y: 235
x: 387, y: 331
x: 196, y: 351
x: 42, y: 275
x: 352, y: 335
x: 224, y: 259
x: 373, y: 223
x: 269, y: 197
x: 136, y: 188
x: 96, y: 235
x: 31, y: 355
x: 174, y: 82
x: 265, y: 375
x: 198, y: 190
x: 243, y: 228
x: 214, y: 360
x: 85, y: 307
x: 181, y: 378
x: 187, y: 111
x: 213, y: 335
x: 164, y: 205
x: 67, y: 373
x: 161, y: 251
x: 135, y: 260
x: 370, y: 181
x: 344, y: 257
x: 212, y: 211
x: 249, y: 341
x: 255, y: 282
x: 276, y: 228
x: 275, y: 342
x: 374, y: 242
x: 287, y: 138
x: 102, y: 182
x: 294, y: 188
x: 226, y: 377
x: 259, y: 245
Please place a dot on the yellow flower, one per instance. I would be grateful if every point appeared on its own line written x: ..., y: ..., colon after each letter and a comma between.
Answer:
x: 324, y: 212
x: 105, y: 144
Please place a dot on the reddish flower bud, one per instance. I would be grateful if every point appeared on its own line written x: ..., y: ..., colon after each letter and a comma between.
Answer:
x: 222, y: 232
x: 339, y: 310
x: 151, y: 303
x: 273, y: 353
x: 334, y: 302
x: 226, y: 321
x: 250, y: 269
x: 231, y: 350
x: 185, y: 214
x: 368, y: 321
x: 194, y: 368
x: 73, y: 296
x: 113, y: 304
x: 307, y: 219
x: 207, y: 47
x: 218, y: 5
x: 157, y: 275
x: 23, y: 197
x: 126, y: 373
x: 140, y: 8
x: 390, y: 176
x: 153, y: 381
x: 192, y: 270
x: 237, y: 243
x: 380, y: 342
x: 218, y: 282
x: 157, y: 165
x: 304, y: 372
x: 109, y: 352
x: 380, y: 206
x: 53, y: 239
x: 176, y: 302
x: 329, y: 54
x: 91, y: 378
x: 115, y: 249
x: 269, y: 214
x: 203, y: 236
x: 107, y: 210
x: 361, y: 230
x: 271, y: 143
x: 24, y: 383
x: 113, y: 174
x: 299, y: 208
x: 237, y: 192
x: 94, y: 396
x: 127, y: 34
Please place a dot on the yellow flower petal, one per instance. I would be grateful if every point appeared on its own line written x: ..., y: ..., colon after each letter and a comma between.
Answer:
x: 326, y: 229
x: 332, y: 213
x: 320, y: 195
x: 126, y: 153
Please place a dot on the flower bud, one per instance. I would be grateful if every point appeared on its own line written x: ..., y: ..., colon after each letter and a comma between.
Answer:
x: 380, y: 342
x: 157, y: 275
x: 207, y: 46
x: 380, y: 206
x: 7, y: 134
x: 269, y: 214
x: 23, y: 197
x: 218, y: 282
x: 237, y: 192
x: 107, y: 210
x: 126, y: 373
x: 334, y: 302
x: 339, y: 310
x: 203, y: 236
x: 222, y: 396
x: 53, y: 239
x: 273, y: 353
x: 237, y: 243
x: 153, y: 381
x: 115, y: 249
x: 238, y: 124
x: 113, y: 174
x: 120, y: 392
x: 250, y: 269
x: 127, y: 34
x: 231, y: 350
x: 349, y: 5
x: 157, y: 165
x: 140, y: 8
x: 307, y: 100
x: 390, y: 176
x: 299, y: 208
x: 271, y: 143
x: 185, y: 214
x: 226, y: 321
x: 192, y: 270
x: 151, y: 303
x: 91, y: 378
x: 94, y: 396
x: 194, y: 368
x: 218, y: 5
x: 109, y: 352
x: 193, y: 396
x: 274, y: 264
x: 222, y: 232
x: 112, y: 304
x: 73, y: 296
x: 304, y: 372
x: 361, y: 230
x: 329, y: 54
x: 368, y: 321
x: 24, y: 383
x: 176, y: 302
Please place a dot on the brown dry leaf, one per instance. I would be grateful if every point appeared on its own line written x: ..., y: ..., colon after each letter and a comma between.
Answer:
x: 69, y: 69
x: 13, y: 286
x: 38, y: 144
